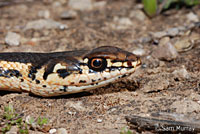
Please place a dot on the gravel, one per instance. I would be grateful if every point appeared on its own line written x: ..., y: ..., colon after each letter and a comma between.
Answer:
x: 139, y: 51
x: 44, y: 24
x: 172, y: 32
x: 62, y: 131
x: 165, y: 52
x: 70, y: 14
x: 192, y: 17
x: 181, y: 73
x: 12, y: 39
x: 52, y: 131
x: 80, y: 4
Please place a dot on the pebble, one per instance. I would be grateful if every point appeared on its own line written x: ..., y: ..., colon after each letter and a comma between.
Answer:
x: 145, y: 39
x: 139, y: 52
x: 13, y: 130
x: 158, y: 35
x: 186, y: 106
x: 62, y: 131
x: 99, y: 4
x: 138, y: 14
x: 181, y: 28
x: 125, y: 21
x: 12, y: 39
x: 165, y: 52
x: 80, y: 4
x: 76, y: 105
x: 172, y: 32
x: 56, y: 4
x: 192, y: 17
x: 70, y: 14
x: 181, y: 73
x: 99, y: 120
x: 186, y: 42
x: 52, y: 131
x: 183, y: 44
x: 153, y: 86
x: 44, y: 14
x: 121, y: 23
x: 163, y: 41
x: 45, y: 24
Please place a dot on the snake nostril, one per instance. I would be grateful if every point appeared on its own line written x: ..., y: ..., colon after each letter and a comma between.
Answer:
x: 129, y: 64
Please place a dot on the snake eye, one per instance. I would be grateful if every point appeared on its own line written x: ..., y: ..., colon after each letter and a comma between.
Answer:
x: 97, y: 64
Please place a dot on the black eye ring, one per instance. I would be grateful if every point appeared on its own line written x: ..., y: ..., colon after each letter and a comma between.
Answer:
x: 97, y: 64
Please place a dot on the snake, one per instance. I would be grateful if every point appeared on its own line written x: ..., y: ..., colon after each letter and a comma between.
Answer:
x: 66, y: 72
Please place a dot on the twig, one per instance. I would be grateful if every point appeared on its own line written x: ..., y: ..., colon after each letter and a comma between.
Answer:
x: 163, y: 123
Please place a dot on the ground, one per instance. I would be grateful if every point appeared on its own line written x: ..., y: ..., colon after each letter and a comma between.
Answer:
x: 169, y: 85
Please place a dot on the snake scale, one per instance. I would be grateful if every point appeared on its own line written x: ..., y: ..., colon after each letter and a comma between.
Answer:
x: 60, y: 73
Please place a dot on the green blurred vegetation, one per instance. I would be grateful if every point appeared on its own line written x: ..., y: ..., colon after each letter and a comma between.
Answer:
x: 151, y: 7
x: 11, y: 118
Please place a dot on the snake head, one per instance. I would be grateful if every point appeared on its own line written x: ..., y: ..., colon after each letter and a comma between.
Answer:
x: 106, y: 64
x: 85, y: 70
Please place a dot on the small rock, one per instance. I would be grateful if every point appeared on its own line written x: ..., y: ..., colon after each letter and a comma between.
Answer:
x: 13, y: 130
x: 159, y: 35
x: 139, y: 6
x: 44, y: 14
x: 153, y: 86
x: 80, y: 4
x: 165, y: 52
x: 145, y: 39
x: 44, y: 24
x: 138, y: 14
x: 99, y: 120
x: 186, y: 42
x: 138, y: 52
x: 62, y: 131
x: 52, y: 131
x: 172, y: 32
x: 192, y: 17
x: 124, y: 21
x: 186, y: 106
x: 181, y: 73
x: 183, y: 44
x: 68, y: 14
x: 56, y: 4
x: 71, y: 113
x: 76, y: 105
x: 121, y: 23
x: 12, y: 39
x: 164, y: 41
x: 99, y: 4
x: 181, y: 28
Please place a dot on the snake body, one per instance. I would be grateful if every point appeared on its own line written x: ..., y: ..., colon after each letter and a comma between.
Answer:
x: 60, y: 73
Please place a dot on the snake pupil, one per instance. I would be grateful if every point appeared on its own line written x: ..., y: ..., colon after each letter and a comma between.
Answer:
x: 97, y: 64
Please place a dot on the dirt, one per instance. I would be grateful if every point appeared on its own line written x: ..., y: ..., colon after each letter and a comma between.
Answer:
x: 153, y: 88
